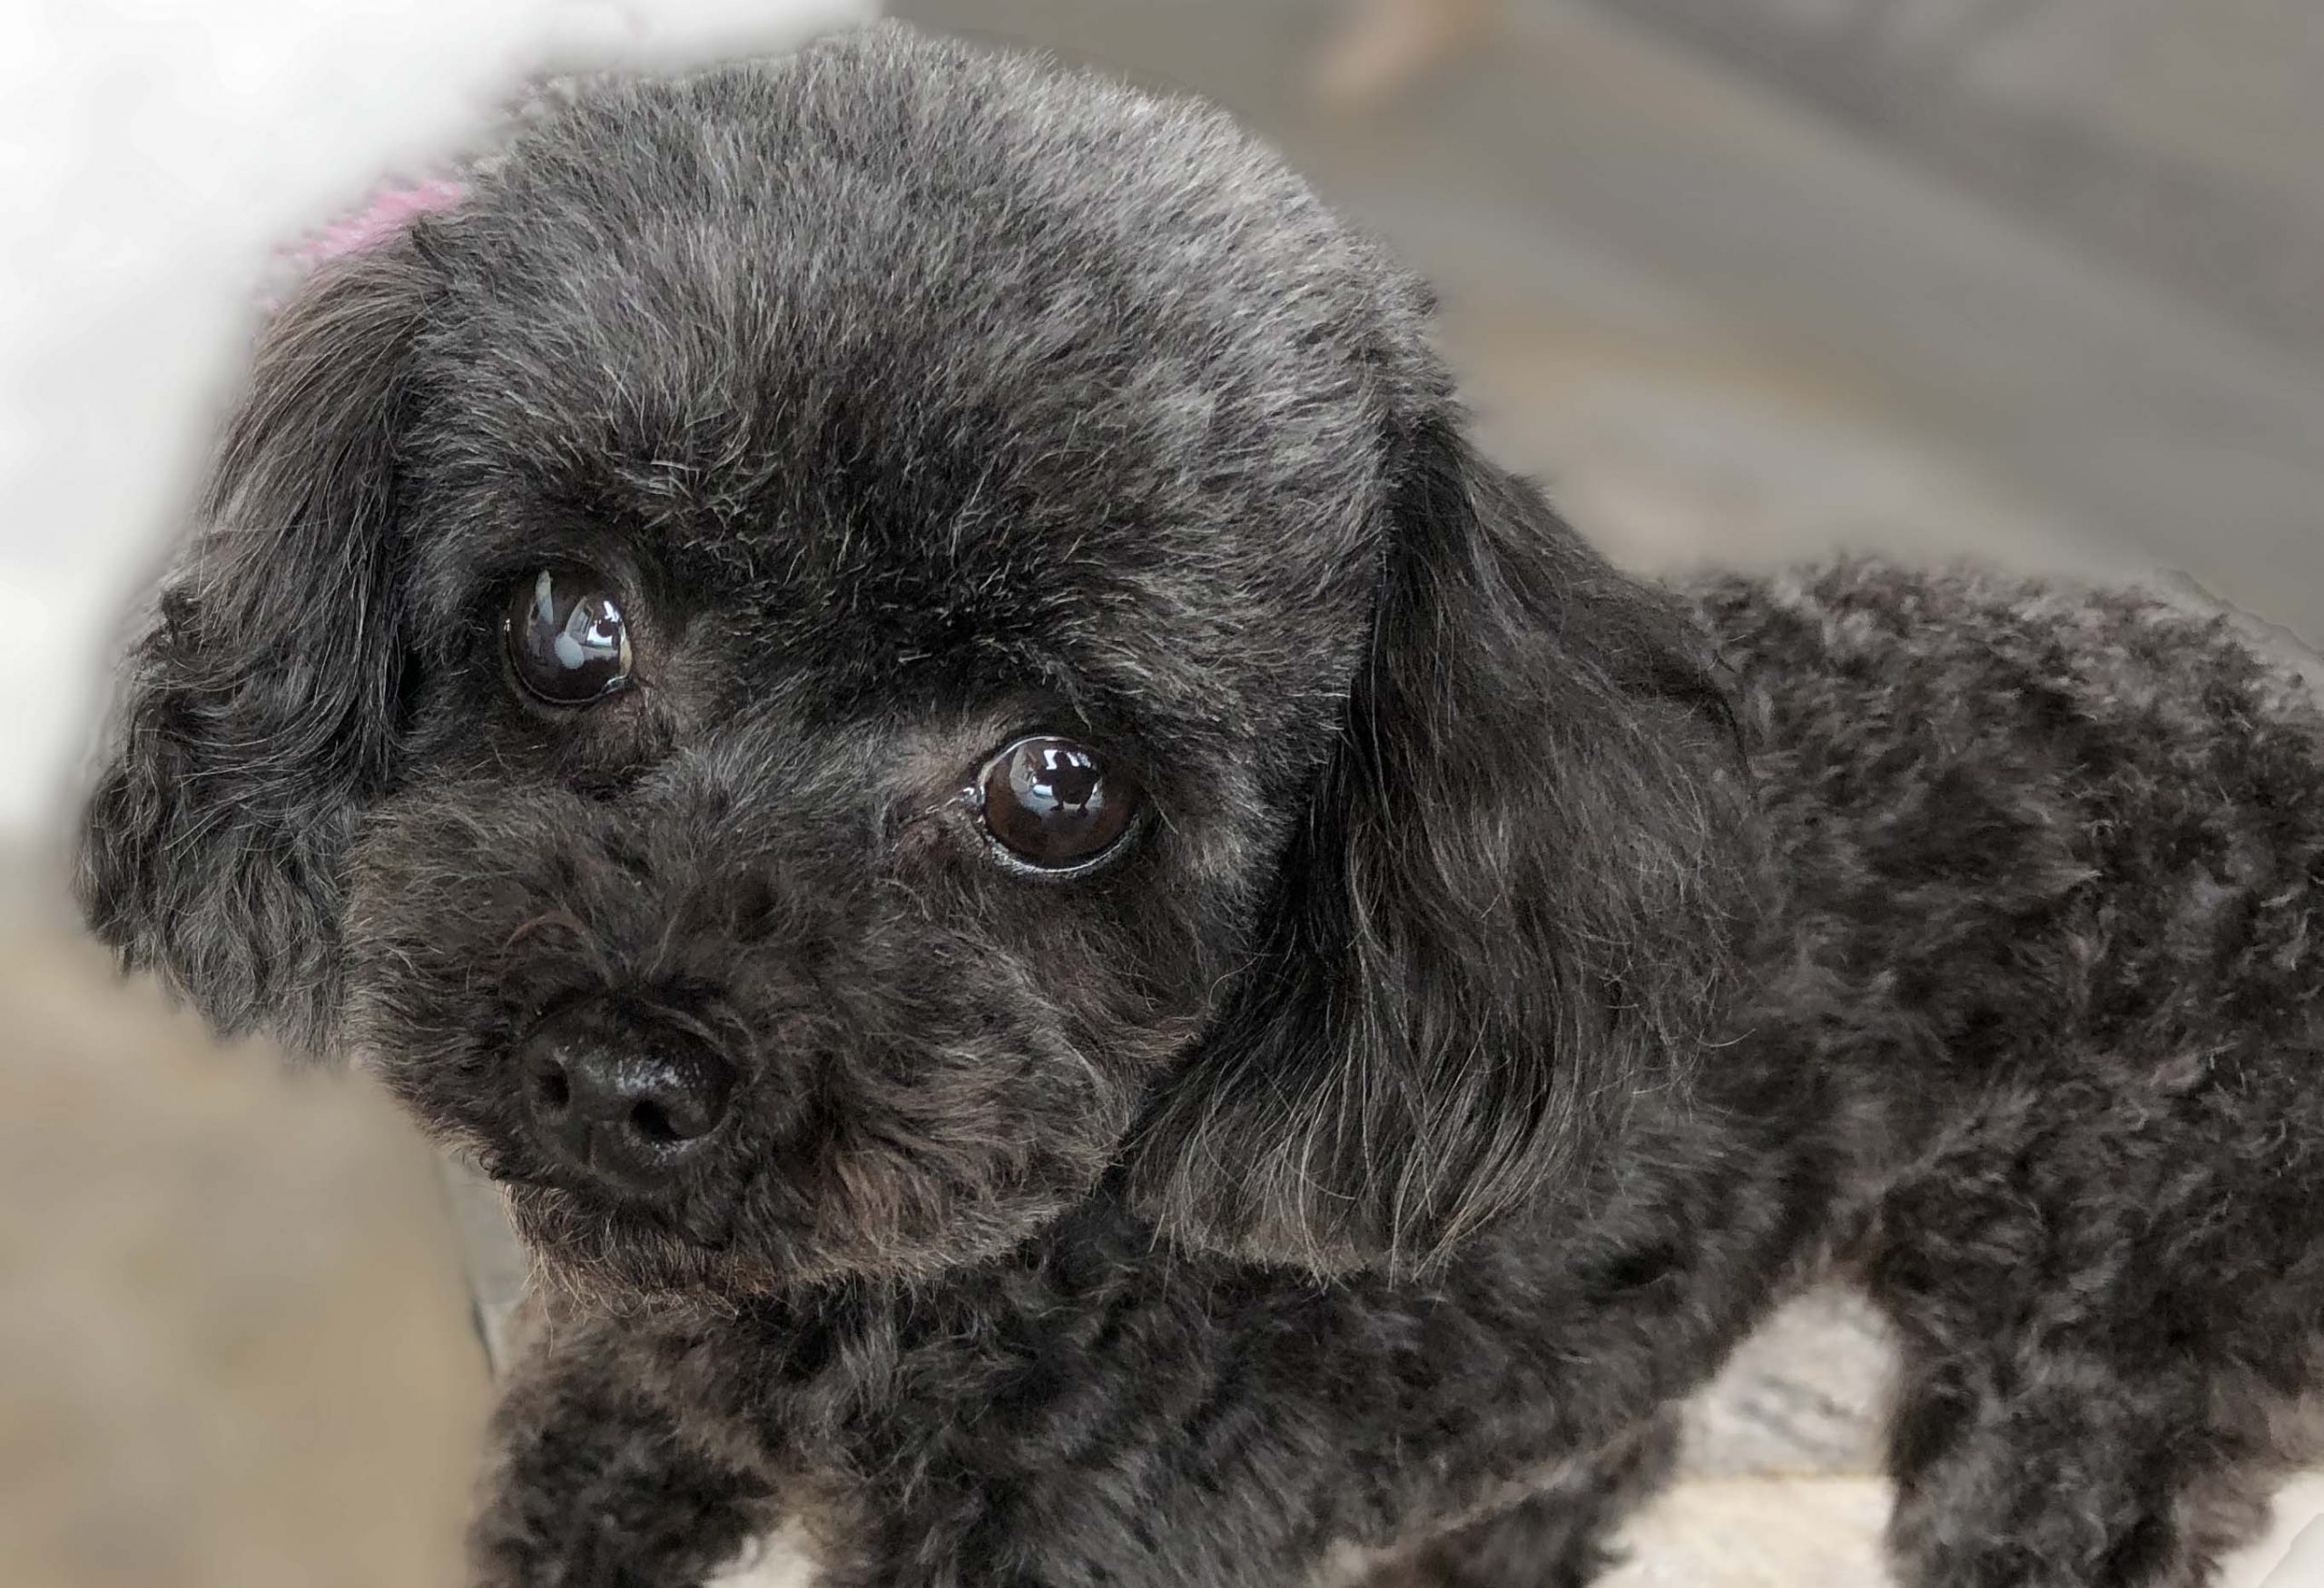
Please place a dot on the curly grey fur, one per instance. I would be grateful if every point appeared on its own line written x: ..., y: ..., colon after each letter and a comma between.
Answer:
x: 1530, y: 976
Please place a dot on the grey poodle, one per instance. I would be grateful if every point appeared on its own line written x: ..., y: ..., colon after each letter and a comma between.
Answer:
x: 1095, y: 955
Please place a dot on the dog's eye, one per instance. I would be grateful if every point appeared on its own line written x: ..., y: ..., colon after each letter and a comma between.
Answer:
x: 567, y: 642
x: 1053, y: 805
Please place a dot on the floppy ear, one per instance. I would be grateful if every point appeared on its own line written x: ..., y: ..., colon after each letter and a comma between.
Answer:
x: 1509, y: 911
x: 258, y: 707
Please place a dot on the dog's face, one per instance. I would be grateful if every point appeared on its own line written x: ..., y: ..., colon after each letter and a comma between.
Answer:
x: 845, y: 647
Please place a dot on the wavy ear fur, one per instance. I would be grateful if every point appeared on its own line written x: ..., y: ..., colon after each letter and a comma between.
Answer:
x: 1510, y: 911
x: 259, y: 704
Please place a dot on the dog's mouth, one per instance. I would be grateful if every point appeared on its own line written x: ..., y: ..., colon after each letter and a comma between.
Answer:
x: 588, y: 1243
x: 764, y: 1239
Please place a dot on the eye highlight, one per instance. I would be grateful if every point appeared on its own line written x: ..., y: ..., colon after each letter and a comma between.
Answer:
x: 567, y: 640
x: 1054, y: 805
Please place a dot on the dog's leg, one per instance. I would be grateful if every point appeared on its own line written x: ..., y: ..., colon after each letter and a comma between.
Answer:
x: 2040, y: 1463
x: 1560, y: 1537
x: 2106, y: 1301
x: 593, y: 1485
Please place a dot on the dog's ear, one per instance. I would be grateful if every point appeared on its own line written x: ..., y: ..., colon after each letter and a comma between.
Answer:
x: 258, y: 707
x: 1512, y: 907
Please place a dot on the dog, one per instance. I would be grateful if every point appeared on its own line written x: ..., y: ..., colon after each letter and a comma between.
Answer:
x: 1092, y: 952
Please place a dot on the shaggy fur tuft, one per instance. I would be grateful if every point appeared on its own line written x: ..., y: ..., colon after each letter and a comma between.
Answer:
x: 1520, y: 979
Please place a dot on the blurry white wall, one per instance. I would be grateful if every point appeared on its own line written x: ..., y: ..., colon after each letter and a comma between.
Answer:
x: 154, y: 153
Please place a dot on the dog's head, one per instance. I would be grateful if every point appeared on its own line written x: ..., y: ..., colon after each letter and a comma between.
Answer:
x: 843, y: 648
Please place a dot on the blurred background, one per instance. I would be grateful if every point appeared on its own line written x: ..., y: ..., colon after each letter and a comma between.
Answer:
x: 2039, y: 281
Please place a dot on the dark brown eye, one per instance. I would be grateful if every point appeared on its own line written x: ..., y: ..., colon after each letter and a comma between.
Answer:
x: 567, y: 642
x: 1053, y: 805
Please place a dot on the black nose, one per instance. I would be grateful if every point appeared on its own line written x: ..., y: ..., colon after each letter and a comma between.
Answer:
x: 621, y: 1097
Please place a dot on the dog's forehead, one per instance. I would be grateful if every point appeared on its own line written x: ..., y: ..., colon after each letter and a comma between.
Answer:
x: 901, y: 336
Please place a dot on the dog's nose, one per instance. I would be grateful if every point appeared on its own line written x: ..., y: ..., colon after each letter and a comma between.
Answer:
x: 621, y: 1097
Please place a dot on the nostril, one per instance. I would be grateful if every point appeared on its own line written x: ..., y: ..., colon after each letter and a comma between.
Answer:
x: 652, y: 1120
x: 552, y: 1089
x: 683, y: 1098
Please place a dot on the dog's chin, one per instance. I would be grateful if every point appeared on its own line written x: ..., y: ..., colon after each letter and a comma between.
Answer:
x: 615, y: 1252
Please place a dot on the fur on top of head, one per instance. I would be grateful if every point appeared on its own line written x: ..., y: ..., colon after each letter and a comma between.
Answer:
x: 902, y: 403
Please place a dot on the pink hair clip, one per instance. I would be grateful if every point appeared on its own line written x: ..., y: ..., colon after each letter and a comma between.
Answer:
x: 389, y: 213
